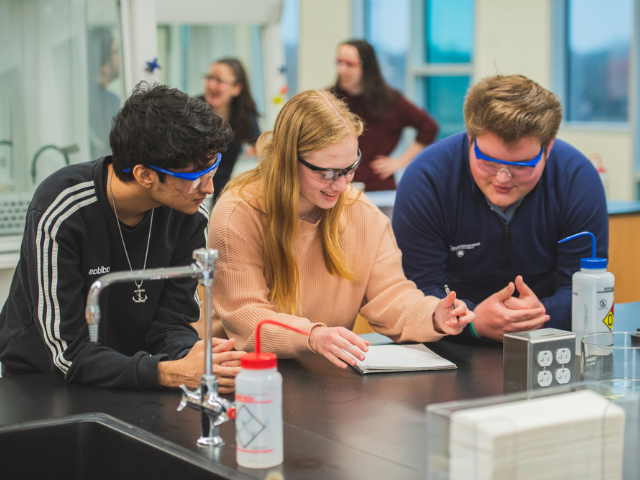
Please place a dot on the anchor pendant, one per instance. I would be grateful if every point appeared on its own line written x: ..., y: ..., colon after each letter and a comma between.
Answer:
x: 139, y: 292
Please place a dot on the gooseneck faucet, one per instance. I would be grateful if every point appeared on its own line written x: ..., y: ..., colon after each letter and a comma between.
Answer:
x: 214, y: 410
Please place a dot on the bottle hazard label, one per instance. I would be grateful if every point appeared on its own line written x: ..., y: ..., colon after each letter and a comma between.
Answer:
x: 608, y: 320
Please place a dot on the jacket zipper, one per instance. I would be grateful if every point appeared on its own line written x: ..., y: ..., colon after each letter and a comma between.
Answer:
x: 505, y: 247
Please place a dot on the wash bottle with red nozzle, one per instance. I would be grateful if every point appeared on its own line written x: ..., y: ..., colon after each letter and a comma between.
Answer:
x: 259, y: 407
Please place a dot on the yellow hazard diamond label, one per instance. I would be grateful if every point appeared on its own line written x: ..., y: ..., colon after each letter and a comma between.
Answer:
x: 608, y: 320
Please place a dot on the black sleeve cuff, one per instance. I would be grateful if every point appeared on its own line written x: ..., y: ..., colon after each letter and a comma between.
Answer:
x: 147, y: 371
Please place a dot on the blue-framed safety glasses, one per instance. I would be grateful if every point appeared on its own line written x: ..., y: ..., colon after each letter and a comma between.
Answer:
x: 494, y: 165
x: 194, y: 180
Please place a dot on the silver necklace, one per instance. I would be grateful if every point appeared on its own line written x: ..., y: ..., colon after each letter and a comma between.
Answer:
x: 139, y: 290
x: 307, y: 215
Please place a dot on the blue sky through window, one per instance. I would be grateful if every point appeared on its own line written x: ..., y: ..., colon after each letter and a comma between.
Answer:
x: 388, y: 29
x: 599, y: 36
x: 597, y: 25
x: 450, y: 30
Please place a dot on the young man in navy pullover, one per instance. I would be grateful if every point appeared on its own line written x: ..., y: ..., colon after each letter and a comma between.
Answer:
x: 483, y: 211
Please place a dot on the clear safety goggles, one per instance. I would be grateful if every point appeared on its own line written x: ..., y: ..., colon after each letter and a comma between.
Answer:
x: 494, y: 166
x: 329, y: 175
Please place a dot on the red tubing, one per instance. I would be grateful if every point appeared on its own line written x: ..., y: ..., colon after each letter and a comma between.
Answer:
x: 273, y: 322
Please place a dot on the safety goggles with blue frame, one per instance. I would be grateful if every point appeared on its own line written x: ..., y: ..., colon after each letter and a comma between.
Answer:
x: 493, y: 165
x: 197, y: 179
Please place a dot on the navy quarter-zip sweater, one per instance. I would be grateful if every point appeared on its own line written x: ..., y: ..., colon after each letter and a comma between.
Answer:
x: 448, y: 233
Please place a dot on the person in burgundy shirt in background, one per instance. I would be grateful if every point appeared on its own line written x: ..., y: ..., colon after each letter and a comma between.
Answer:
x: 385, y: 111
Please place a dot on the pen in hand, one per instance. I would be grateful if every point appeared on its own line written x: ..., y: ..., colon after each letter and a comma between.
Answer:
x: 453, y: 305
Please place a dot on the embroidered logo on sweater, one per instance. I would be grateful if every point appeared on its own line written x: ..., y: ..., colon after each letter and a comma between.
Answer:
x: 99, y: 270
x: 459, y: 249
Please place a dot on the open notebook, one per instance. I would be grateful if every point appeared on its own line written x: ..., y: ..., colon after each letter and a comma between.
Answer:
x: 401, y: 358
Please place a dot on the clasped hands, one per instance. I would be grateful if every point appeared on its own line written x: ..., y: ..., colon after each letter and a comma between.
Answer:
x: 188, y: 370
x: 341, y: 346
x: 503, y: 313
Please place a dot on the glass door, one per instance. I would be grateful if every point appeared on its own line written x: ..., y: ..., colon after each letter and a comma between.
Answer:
x: 60, y: 85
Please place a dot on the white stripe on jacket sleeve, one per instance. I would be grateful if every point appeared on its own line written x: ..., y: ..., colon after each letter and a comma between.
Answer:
x: 68, y: 201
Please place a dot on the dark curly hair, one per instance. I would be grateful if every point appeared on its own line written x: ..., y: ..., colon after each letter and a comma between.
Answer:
x: 164, y: 127
x: 376, y: 93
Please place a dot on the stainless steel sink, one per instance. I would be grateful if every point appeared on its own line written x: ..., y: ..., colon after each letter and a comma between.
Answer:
x: 94, y: 446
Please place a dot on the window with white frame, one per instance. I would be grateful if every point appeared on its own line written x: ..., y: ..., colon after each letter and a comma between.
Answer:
x: 61, y: 83
x: 387, y: 29
x: 598, y: 38
x: 425, y: 49
x: 443, y: 48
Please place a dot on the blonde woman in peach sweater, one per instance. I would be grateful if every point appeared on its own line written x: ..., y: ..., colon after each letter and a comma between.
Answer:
x: 298, y: 244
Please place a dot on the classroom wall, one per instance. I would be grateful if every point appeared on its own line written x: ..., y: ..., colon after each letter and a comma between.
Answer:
x: 323, y: 25
x: 513, y: 36
x: 616, y: 148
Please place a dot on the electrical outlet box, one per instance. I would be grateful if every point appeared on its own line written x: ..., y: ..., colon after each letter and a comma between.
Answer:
x: 538, y: 359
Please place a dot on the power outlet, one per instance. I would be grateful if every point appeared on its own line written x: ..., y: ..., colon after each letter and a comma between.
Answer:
x: 544, y: 378
x: 538, y: 359
x: 563, y: 356
x: 563, y: 375
x: 545, y: 358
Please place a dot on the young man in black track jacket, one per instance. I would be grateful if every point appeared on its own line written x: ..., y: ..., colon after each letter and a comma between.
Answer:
x: 118, y: 213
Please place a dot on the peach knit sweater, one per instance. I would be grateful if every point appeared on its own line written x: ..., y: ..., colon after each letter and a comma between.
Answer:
x: 382, y: 294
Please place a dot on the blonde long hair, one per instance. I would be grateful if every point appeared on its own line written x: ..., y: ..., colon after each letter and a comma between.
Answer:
x: 308, y: 122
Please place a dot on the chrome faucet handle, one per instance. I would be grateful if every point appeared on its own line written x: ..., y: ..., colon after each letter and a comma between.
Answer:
x: 190, y: 398
x: 219, y: 409
x: 214, y: 410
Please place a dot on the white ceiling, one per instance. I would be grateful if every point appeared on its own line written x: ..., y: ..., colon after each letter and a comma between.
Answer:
x: 217, y: 12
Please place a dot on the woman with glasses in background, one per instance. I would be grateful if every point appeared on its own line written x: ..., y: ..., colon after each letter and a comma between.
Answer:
x: 385, y: 113
x: 226, y: 89
x: 298, y: 244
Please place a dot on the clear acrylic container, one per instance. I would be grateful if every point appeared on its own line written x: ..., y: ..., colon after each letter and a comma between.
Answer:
x: 454, y: 453
x: 612, y: 359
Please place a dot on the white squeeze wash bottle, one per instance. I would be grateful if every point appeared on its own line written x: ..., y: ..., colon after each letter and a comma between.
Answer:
x: 259, y: 442
x: 592, y: 302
